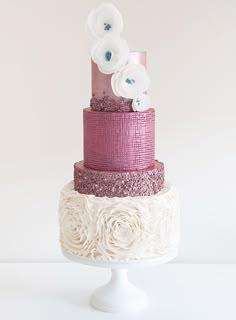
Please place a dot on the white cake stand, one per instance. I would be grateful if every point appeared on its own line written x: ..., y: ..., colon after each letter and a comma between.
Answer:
x: 119, y: 295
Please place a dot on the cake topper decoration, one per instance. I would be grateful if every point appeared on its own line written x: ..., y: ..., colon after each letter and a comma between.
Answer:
x: 110, y: 53
x: 141, y: 103
x: 105, y: 19
x: 130, y: 81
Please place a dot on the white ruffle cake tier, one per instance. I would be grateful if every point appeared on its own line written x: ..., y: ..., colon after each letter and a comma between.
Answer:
x: 119, y: 229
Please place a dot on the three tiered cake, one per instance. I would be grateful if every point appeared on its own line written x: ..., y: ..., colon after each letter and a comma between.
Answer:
x: 119, y: 207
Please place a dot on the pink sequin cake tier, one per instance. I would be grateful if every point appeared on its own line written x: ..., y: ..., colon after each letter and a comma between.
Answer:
x: 119, y: 184
x: 119, y: 141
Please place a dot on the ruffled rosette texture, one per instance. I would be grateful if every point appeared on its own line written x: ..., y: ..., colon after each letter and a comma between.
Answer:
x: 118, y: 229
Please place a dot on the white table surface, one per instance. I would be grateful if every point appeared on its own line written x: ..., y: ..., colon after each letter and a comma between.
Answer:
x: 59, y: 291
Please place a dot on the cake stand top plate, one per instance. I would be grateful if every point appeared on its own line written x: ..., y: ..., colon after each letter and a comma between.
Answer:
x: 121, y: 264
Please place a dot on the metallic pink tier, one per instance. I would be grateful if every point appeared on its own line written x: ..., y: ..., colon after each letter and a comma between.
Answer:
x: 115, y: 141
x: 118, y: 184
x: 103, y: 98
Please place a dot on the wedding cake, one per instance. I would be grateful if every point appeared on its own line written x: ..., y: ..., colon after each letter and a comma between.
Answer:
x: 119, y: 206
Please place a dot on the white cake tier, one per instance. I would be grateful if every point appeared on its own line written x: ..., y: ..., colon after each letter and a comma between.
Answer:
x: 119, y: 229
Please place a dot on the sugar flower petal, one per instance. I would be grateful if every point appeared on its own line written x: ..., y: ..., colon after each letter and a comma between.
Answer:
x: 105, y: 19
x: 141, y: 103
x: 130, y: 81
x: 110, y: 54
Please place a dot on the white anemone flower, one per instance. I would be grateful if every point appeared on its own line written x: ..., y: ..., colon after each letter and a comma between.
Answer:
x: 105, y: 19
x: 141, y: 103
x: 110, y: 54
x: 130, y: 81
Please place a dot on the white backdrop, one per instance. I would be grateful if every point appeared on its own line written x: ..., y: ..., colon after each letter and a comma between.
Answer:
x: 45, y: 83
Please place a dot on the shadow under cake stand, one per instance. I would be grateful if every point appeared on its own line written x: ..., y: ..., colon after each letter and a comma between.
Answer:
x: 119, y: 295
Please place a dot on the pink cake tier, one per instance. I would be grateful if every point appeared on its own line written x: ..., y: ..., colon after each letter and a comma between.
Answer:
x: 103, y: 98
x: 119, y: 141
x: 118, y: 184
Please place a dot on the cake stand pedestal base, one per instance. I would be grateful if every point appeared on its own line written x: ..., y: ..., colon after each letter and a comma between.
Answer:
x: 119, y: 295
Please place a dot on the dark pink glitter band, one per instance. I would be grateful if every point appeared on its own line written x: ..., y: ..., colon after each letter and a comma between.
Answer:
x: 108, y: 104
x: 118, y: 184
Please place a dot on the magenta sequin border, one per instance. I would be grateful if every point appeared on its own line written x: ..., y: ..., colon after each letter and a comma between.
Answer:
x: 118, y: 184
x: 108, y: 104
